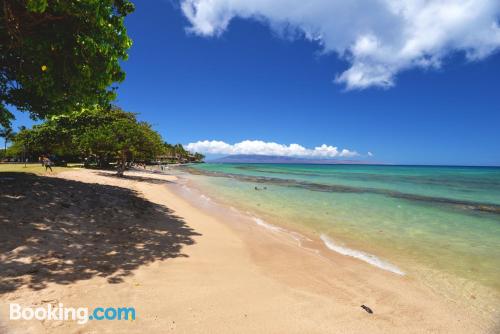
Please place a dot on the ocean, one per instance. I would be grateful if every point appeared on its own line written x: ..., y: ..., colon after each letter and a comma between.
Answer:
x: 438, y: 224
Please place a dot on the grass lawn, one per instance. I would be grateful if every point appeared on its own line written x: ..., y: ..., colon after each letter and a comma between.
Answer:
x: 35, y: 168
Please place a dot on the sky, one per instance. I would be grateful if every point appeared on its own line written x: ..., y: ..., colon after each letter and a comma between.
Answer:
x: 404, y: 82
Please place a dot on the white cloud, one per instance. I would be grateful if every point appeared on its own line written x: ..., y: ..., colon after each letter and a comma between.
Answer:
x: 268, y: 148
x: 379, y: 38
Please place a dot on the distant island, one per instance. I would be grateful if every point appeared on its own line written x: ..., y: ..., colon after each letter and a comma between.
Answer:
x: 274, y: 159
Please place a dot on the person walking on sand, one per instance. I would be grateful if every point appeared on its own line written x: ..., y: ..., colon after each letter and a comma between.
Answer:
x: 47, y: 163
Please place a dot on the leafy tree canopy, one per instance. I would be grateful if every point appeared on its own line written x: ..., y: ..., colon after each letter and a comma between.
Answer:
x: 101, y: 134
x: 123, y: 138
x: 60, y: 55
x: 63, y: 134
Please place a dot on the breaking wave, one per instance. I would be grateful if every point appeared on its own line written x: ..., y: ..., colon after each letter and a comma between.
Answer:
x: 368, y: 258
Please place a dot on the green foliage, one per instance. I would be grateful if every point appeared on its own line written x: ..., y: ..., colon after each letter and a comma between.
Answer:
x: 36, y: 6
x: 104, y: 134
x: 57, y: 56
x: 198, y: 157
x: 123, y: 138
x: 42, y: 139
x: 5, y: 116
x: 8, y: 135
x: 178, y: 154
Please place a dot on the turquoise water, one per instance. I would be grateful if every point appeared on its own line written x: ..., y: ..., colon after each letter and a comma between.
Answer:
x: 434, y: 221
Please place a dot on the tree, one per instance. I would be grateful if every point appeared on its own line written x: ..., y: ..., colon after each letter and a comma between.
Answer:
x: 60, y: 134
x: 107, y: 134
x: 124, y: 139
x: 8, y: 135
x: 198, y: 157
x: 5, y: 116
x: 48, y: 137
x: 179, y: 151
x: 178, y: 154
x: 58, y: 56
x: 103, y: 134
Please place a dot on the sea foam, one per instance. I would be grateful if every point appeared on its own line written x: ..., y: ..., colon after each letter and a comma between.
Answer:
x: 368, y: 258
x: 206, y: 198
x: 262, y: 223
x: 299, y: 238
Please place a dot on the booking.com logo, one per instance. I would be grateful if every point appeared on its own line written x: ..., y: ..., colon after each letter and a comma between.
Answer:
x: 81, y: 314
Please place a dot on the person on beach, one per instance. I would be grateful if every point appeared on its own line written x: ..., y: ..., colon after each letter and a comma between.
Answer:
x: 47, y: 163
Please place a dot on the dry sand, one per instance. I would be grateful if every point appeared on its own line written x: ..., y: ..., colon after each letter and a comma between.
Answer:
x: 86, y: 238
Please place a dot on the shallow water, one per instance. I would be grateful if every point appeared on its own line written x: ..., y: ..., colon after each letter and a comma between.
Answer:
x: 429, y: 221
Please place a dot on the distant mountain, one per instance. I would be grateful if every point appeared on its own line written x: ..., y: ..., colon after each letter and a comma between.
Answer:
x: 272, y: 159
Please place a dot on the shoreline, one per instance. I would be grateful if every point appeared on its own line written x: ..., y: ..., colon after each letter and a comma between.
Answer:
x: 238, y: 277
x: 299, y: 237
x: 317, y: 242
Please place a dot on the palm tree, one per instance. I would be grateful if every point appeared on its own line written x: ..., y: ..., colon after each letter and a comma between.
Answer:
x: 7, y: 134
x: 199, y: 157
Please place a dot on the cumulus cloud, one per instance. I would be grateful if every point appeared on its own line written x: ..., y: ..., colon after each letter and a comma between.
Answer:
x: 379, y: 38
x: 268, y: 148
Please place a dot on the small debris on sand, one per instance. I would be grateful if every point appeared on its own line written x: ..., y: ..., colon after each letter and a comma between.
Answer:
x: 367, y: 309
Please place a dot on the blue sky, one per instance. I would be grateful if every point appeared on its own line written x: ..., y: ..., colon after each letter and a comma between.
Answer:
x: 249, y: 82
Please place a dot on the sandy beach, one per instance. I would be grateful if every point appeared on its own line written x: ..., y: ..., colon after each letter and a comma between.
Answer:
x: 88, y: 238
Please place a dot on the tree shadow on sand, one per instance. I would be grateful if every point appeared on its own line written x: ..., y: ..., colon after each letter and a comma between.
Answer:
x: 62, y: 231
